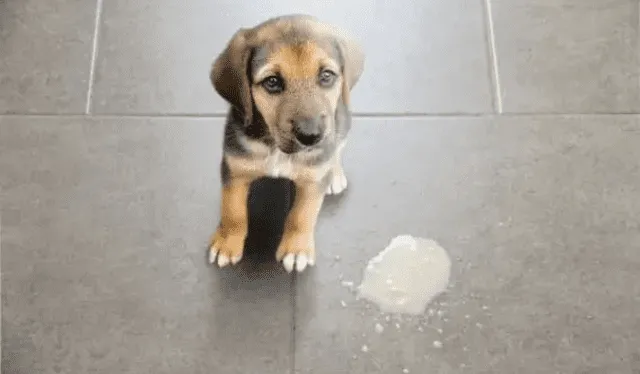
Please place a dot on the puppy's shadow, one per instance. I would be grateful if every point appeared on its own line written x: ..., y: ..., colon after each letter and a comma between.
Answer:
x: 269, y: 202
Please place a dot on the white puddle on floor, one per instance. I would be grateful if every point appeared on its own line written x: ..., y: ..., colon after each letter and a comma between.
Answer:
x: 406, y: 275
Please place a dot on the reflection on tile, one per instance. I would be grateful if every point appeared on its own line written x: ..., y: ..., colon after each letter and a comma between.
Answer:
x: 105, y: 225
x: 428, y: 57
x: 538, y: 216
x: 45, y: 55
x: 569, y: 56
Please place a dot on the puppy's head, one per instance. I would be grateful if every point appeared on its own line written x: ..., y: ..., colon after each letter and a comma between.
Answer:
x: 293, y: 71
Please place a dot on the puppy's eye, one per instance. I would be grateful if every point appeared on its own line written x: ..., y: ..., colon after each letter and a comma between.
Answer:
x: 326, y: 78
x: 273, y: 84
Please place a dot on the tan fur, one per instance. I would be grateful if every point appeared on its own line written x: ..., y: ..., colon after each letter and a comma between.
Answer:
x: 276, y: 165
x: 299, y: 63
x: 228, y: 73
x: 301, y: 222
x: 232, y: 231
x: 230, y: 81
x: 300, y: 66
x: 335, y: 166
x: 351, y: 50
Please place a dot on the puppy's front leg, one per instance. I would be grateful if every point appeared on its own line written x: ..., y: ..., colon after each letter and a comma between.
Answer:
x: 297, y: 247
x: 337, y: 177
x: 227, y: 243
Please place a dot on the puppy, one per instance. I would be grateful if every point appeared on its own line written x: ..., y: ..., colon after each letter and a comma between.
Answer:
x: 287, y: 81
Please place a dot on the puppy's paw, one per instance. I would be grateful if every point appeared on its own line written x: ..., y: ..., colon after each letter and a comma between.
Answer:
x: 337, y: 181
x: 226, y: 248
x: 296, y: 250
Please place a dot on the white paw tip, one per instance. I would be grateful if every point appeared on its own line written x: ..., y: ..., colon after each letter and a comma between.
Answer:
x: 288, y: 261
x: 301, y: 262
x: 213, y: 252
x: 223, y: 260
x: 337, y: 185
x: 235, y: 259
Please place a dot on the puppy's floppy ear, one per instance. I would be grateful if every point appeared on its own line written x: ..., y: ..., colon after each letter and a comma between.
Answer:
x: 352, y: 57
x: 230, y: 77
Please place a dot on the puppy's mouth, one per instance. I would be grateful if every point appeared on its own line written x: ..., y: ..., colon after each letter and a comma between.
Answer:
x: 291, y: 146
x: 301, y: 137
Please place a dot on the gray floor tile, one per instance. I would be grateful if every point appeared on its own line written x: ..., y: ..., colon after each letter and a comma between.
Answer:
x: 421, y: 57
x: 45, y: 55
x: 105, y: 225
x: 540, y: 218
x: 105, y: 220
x: 569, y: 56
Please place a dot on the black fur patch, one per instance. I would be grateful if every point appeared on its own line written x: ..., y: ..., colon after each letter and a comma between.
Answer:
x: 225, y: 173
x: 235, y: 128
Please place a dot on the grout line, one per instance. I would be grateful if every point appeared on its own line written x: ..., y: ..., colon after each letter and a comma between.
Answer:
x: 224, y: 115
x: 637, y: 26
x: 1, y: 307
x: 355, y: 116
x: 416, y: 115
x: 94, y: 53
x: 495, y: 76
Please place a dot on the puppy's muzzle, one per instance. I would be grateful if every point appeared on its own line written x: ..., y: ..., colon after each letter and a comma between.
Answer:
x: 308, y: 131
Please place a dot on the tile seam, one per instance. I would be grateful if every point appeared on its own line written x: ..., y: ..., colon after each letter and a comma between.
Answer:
x: 493, y: 55
x: 94, y: 54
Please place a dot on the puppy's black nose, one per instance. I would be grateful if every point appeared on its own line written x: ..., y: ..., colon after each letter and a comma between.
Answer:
x: 308, y: 131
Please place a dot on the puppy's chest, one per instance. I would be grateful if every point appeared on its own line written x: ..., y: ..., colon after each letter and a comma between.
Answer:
x: 278, y: 164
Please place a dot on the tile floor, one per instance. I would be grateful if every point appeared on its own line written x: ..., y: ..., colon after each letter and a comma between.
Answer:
x: 508, y: 130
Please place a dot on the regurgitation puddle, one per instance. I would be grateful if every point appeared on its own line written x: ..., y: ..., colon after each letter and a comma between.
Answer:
x: 406, y: 275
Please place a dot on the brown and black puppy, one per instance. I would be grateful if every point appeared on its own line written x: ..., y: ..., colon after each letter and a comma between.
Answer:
x: 288, y: 82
